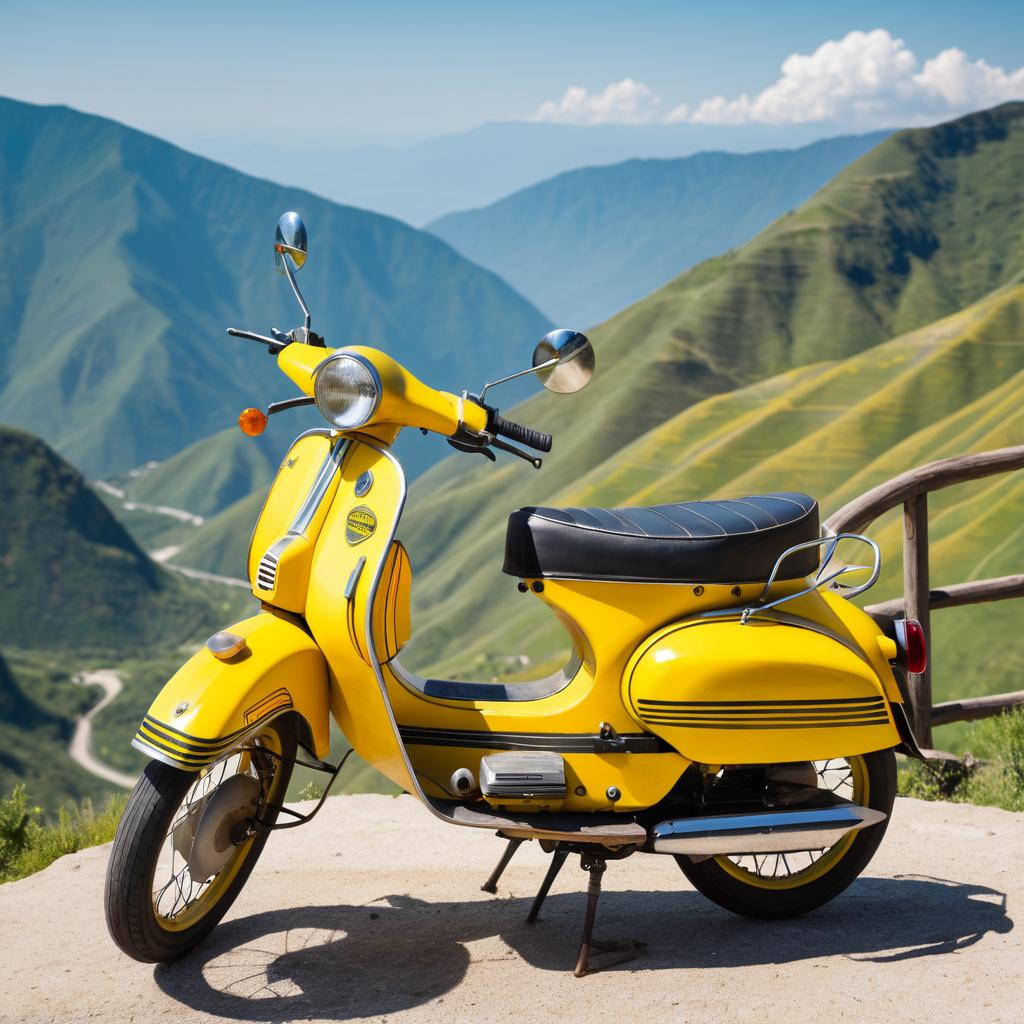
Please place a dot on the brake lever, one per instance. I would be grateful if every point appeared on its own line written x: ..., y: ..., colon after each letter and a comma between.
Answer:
x: 274, y: 345
x: 533, y: 460
x: 473, y: 449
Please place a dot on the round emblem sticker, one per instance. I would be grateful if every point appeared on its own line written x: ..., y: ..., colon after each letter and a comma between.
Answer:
x: 360, y: 524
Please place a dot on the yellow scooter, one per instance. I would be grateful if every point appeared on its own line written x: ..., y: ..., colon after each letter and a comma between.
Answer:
x: 725, y: 704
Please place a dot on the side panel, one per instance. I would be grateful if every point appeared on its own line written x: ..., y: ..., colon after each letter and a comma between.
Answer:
x: 723, y: 692
x: 281, y: 549
x: 208, y: 705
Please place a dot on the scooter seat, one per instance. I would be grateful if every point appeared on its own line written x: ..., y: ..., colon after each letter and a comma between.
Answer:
x: 730, y: 541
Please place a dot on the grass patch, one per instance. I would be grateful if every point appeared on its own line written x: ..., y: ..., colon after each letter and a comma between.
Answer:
x: 28, y: 844
x: 994, y: 780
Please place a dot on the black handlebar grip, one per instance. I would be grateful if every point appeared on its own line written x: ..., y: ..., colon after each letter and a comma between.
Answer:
x: 524, y: 435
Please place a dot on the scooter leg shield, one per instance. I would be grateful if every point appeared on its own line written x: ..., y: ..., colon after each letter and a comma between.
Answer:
x: 210, y: 705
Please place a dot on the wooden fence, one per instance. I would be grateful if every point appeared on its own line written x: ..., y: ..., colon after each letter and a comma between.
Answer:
x: 911, y: 490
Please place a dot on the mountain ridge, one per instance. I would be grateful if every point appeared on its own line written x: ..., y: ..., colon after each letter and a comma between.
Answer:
x: 591, y: 241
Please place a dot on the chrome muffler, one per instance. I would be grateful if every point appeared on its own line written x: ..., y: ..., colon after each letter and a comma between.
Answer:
x: 782, y: 831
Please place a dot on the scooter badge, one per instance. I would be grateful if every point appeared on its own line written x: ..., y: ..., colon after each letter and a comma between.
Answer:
x: 360, y: 525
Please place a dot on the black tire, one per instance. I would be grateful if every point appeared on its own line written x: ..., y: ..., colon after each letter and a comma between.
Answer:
x: 720, y: 886
x: 132, y: 919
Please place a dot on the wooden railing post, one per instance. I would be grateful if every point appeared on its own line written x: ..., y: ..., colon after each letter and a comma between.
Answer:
x: 916, y: 593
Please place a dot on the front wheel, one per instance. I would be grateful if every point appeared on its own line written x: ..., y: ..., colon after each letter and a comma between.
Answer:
x: 775, y: 885
x: 184, y: 846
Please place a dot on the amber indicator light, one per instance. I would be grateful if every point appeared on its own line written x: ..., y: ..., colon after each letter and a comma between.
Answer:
x: 252, y: 422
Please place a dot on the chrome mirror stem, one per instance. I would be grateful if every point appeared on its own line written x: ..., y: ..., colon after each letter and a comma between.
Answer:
x: 518, y: 373
x: 290, y: 274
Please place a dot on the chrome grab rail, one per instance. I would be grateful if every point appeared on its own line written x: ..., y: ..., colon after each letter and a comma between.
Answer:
x: 820, y: 580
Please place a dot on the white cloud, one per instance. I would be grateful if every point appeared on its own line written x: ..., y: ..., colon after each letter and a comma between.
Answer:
x: 863, y: 79
x: 625, y: 102
x: 867, y: 78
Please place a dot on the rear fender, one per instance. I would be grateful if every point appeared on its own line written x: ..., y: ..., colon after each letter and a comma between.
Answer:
x: 208, y: 706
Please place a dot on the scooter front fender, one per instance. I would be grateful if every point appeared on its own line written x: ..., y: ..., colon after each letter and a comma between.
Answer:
x: 209, y: 706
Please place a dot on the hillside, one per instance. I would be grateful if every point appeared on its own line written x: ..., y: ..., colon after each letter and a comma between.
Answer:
x: 210, y: 474
x: 589, y: 242
x: 33, y: 736
x: 154, y: 251
x: 70, y: 575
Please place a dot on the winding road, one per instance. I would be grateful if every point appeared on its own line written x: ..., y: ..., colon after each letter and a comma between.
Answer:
x: 79, y: 747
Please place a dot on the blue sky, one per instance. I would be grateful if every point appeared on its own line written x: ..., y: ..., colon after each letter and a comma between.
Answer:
x: 310, y: 71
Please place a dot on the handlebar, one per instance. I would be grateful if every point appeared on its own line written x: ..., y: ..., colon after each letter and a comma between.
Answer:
x: 517, y: 432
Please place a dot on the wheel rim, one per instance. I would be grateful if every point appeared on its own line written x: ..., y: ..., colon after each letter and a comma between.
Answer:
x: 179, y: 900
x: 847, y: 777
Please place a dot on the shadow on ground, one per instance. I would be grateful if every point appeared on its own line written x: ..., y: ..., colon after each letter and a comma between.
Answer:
x: 342, y: 962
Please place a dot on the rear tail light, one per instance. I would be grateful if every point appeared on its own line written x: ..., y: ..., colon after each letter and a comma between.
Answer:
x: 912, y: 645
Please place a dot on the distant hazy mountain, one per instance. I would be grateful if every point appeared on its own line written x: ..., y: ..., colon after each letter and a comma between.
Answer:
x: 468, y: 169
x: 124, y: 258
x: 587, y: 243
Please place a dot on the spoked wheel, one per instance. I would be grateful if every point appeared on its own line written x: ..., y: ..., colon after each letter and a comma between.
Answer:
x: 773, y: 885
x: 184, y: 846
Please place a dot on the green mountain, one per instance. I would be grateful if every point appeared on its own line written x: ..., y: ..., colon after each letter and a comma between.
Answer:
x: 221, y: 544
x: 70, y: 574
x: 210, y: 474
x: 153, y: 252
x: 587, y: 243
x: 877, y: 327
x: 34, y: 737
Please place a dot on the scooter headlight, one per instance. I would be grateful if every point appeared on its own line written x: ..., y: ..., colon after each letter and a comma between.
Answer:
x: 347, y: 390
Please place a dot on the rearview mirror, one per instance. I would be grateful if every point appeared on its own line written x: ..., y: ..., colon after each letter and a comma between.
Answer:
x: 290, y: 243
x: 564, y: 361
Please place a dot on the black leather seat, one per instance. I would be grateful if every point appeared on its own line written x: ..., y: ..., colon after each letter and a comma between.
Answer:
x: 728, y: 541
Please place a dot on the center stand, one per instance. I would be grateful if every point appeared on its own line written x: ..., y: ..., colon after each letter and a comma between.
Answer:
x: 593, y: 860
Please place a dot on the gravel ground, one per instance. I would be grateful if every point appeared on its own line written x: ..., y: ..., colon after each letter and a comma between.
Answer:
x: 374, y: 912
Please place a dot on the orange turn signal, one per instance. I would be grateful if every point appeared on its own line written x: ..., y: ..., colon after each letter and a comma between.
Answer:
x: 252, y: 422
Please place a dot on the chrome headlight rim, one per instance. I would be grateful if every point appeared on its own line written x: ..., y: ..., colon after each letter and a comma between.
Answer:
x: 374, y: 376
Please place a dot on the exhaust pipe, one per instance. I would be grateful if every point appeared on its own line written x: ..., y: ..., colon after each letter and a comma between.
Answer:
x: 785, y: 831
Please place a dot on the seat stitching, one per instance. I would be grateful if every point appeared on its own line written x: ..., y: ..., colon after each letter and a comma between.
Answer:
x: 678, y: 526
x: 629, y: 523
x: 783, y: 497
x: 685, y: 507
x: 745, y: 501
x: 718, y: 504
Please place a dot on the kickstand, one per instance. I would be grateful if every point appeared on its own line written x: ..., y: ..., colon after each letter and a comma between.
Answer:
x: 558, y: 858
x: 491, y: 885
x: 627, y: 950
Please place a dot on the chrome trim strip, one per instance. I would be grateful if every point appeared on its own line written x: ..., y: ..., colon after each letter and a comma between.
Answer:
x: 156, y: 755
x: 316, y: 493
x: 353, y: 579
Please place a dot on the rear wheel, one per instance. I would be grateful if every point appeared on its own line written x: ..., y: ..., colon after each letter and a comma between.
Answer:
x: 184, y: 849
x: 775, y: 885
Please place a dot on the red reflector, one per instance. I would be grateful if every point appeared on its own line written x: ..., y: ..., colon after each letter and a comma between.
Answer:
x: 916, y: 652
